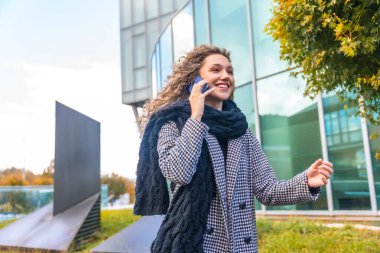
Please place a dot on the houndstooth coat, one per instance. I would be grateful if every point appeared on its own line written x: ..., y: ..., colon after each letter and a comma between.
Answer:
x: 231, y: 224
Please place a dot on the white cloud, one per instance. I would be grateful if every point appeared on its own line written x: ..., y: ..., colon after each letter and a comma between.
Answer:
x: 27, y: 129
x: 282, y: 95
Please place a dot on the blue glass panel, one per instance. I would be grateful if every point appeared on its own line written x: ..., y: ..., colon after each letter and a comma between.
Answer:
x: 158, y: 66
x: 23, y: 199
x: 183, y: 32
x: 290, y: 131
x: 200, y: 22
x: 154, y: 73
x: 267, y: 52
x: 166, y: 53
x: 229, y: 30
x: 345, y: 149
x: 243, y: 97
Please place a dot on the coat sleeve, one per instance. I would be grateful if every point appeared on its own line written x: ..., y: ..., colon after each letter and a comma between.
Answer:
x: 179, y: 152
x: 270, y: 191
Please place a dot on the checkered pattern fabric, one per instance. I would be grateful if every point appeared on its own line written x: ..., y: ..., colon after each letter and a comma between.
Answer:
x: 231, y: 224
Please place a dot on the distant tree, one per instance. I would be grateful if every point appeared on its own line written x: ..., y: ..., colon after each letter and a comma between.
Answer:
x: 47, y: 177
x: 130, y: 189
x: 15, y: 176
x: 116, y: 184
x: 12, y: 177
x: 337, y: 45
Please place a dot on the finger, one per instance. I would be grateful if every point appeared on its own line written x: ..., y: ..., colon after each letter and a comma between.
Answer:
x: 202, y: 82
x: 328, y: 164
x: 315, y: 165
x: 326, y: 168
x: 209, y: 91
x: 324, y: 180
x: 199, y: 85
x: 324, y: 173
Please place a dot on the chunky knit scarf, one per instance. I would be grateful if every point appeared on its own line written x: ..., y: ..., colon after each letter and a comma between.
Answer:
x: 185, y: 222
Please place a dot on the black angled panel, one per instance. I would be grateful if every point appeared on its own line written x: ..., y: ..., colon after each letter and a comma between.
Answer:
x: 77, y: 158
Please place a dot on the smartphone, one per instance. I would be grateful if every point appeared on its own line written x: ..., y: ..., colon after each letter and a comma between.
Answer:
x: 196, y: 80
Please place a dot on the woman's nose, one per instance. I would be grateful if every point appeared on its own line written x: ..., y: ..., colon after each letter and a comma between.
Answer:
x: 225, y: 75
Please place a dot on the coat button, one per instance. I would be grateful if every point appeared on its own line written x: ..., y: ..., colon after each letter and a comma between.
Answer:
x: 242, y: 205
x: 248, y: 239
x: 209, y: 230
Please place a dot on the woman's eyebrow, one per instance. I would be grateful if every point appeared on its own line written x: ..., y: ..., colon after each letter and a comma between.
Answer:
x: 220, y: 65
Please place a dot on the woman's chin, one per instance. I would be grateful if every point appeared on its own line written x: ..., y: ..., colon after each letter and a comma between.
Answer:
x: 220, y: 96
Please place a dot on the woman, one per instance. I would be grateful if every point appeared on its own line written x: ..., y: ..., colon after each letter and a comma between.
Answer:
x: 200, y: 143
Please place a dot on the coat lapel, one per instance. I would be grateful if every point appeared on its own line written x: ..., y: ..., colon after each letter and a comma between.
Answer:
x: 233, y: 160
x: 219, y: 172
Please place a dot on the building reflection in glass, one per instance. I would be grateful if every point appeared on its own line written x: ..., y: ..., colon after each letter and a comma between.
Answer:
x: 290, y: 131
x: 345, y: 149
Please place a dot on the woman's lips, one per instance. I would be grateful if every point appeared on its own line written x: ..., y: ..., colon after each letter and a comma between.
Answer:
x: 223, y: 86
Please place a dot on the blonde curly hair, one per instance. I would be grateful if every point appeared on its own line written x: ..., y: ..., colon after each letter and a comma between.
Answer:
x: 184, y: 72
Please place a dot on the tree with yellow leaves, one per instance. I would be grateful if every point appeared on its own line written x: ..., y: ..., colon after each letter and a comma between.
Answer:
x: 336, y: 44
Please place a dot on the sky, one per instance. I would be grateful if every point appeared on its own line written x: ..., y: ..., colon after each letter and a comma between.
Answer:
x: 66, y: 51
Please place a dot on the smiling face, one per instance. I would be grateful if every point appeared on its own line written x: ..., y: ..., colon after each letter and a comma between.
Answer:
x: 218, y: 71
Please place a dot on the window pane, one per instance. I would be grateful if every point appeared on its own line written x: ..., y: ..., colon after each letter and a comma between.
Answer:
x: 165, y: 20
x: 375, y: 146
x: 154, y: 73
x: 152, y: 34
x: 179, y: 3
x: 140, y: 78
x: 183, y: 32
x: 138, y: 11
x: 345, y: 149
x: 151, y: 8
x: 267, y: 52
x: 142, y: 94
x: 166, y: 6
x: 166, y: 52
x: 243, y: 97
x: 158, y: 69
x: 229, y: 30
x: 127, y: 60
x: 201, y: 24
x: 125, y: 13
x: 139, y: 50
x: 137, y: 29
x: 290, y: 131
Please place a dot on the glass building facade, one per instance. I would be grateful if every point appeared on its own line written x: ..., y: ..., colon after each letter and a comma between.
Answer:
x: 294, y: 130
x: 20, y: 200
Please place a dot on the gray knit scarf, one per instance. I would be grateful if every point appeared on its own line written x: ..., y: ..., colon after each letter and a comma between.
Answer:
x: 185, y: 222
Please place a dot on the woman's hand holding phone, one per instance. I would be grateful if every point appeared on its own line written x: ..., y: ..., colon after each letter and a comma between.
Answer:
x: 198, y: 93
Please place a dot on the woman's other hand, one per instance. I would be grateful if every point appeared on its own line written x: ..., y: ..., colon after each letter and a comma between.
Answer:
x: 197, y: 99
x: 318, y: 173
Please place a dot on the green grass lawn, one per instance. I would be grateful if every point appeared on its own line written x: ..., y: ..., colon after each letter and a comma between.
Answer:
x: 296, y: 235
x: 293, y: 235
x: 4, y: 223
